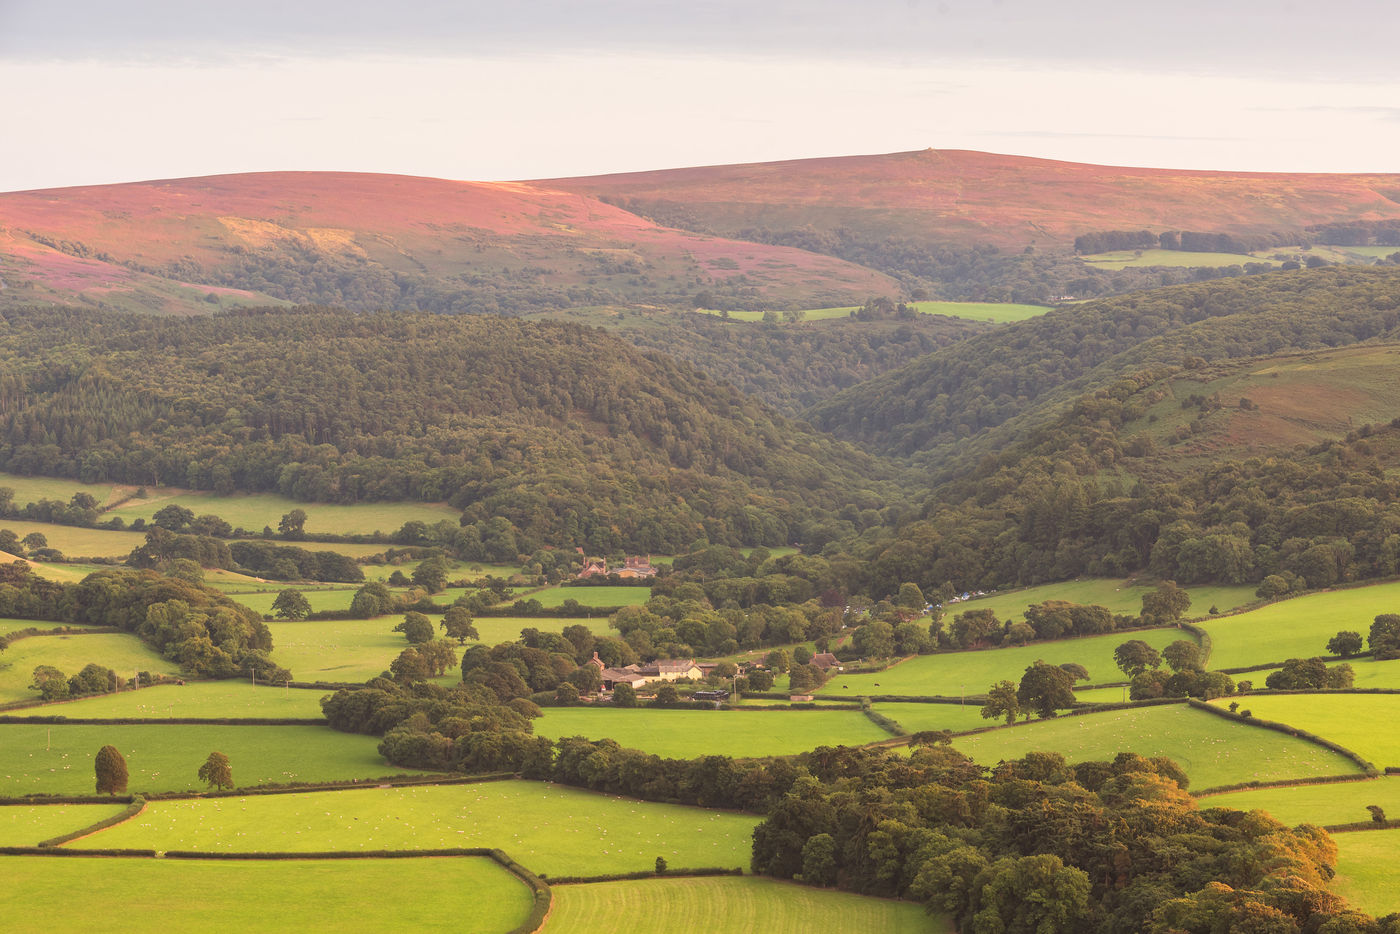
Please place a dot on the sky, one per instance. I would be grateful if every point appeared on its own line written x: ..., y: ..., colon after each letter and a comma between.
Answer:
x: 101, y: 92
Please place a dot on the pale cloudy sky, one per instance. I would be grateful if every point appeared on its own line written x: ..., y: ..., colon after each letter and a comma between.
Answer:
x: 99, y: 91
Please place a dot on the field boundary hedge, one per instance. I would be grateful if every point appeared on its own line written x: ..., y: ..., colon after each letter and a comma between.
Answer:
x: 1203, y: 638
x: 634, y: 876
x: 888, y: 724
x: 31, y: 632
x: 137, y: 805
x: 1281, y: 783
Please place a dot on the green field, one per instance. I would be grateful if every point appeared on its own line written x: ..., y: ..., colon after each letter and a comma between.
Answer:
x: 1212, y: 750
x: 1119, y: 596
x: 589, y: 596
x: 952, y: 674
x: 123, y: 653
x: 1359, y: 722
x: 954, y: 717
x: 548, y: 828
x: 463, y: 894
x: 1297, y: 628
x: 32, y: 489
x: 1325, y: 804
x: 1368, y: 673
x: 42, y: 759
x: 78, y: 542
x: 25, y: 825
x: 1121, y: 259
x: 341, y: 650
x: 255, y: 511
x: 684, y: 734
x: 732, y: 905
x: 320, y: 599
x: 1368, y: 864
x: 209, y: 699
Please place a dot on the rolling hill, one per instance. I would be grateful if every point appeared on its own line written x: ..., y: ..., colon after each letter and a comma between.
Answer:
x: 381, y: 241
x: 1006, y: 201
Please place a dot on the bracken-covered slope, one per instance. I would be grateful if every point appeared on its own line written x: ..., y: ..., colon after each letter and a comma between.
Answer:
x: 381, y: 241
x: 978, y: 197
x: 543, y: 433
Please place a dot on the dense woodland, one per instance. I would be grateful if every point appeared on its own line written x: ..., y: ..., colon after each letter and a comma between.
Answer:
x: 541, y: 433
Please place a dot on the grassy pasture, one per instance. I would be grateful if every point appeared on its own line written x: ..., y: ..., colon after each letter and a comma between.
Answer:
x: 234, y: 699
x: 1297, y: 628
x: 65, y: 573
x: 954, y: 717
x: 42, y: 759
x: 548, y: 828
x: 590, y: 596
x: 255, y: 511
x: 32, y: 489
x: 25, y: 825
x: 1122, y: 259
x: 320, y: 599
x: 1212, y: 750
x: 1369, y: 673
x: 684, y: 734
x: 954, y: 673
x: 733, y: 905
x: 79, y: 542
x: 1368, y: 864
x: 468, y: 894
x: 1359, y: 722
x: 123, y: 653
x: 1326, y: 804
x: 1118, y: 596
x: 337, y: 650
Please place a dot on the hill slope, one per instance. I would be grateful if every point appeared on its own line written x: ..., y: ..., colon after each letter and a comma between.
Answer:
x: 370, y: 241
x: 543, y: 433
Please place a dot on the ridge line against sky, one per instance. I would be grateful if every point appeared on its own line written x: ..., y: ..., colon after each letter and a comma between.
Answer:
x: 554, y: 88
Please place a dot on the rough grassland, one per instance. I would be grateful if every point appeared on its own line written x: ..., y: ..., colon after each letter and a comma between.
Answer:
x: 1121, y: 259
x: 196, y: 699
x: 1212, y: 750
x: 123, y: 653
x: 1367, y: 866
x: 42, y: 759
x: 1326, y: 804
x: 254, y: 511
x: 547, y: 828
x: 32, y: 489
x: 1119, y: 596
x: 954, y: 717
x: 996, y: 312
x: 684, y: 734
x: 952, y: 674
x: 1362, y: 723
x: 731, y: 905
x: 461, y: 894
x: 22, y: 825
x: 1297, y: 628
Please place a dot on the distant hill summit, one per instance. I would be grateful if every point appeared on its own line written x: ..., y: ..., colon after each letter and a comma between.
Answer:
x: 1007, y: 201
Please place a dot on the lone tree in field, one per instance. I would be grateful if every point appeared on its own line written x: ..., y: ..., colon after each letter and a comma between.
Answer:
x: 457, y: 623
x: 291, y: 604
x: 1167, y: 604
x: 216, y: 771
x: 1045, y: 689
x: 1002, y: 702
x: 1182, y: 654
x: 1135, y: 656
x: 292, y: 526
x: 111, y: 771
x: 1345, y: 643
x: 416, y: 627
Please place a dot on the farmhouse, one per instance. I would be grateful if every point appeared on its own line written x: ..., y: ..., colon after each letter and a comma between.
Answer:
x: 591, y: 568
x: 826, y: 661
x: 636, y: 566
x: 666, y: 669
